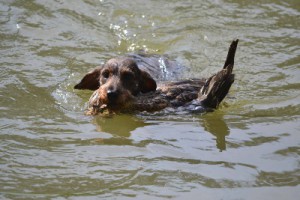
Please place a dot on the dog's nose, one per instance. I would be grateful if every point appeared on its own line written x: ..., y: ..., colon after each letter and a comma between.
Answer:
x: 112, y: 95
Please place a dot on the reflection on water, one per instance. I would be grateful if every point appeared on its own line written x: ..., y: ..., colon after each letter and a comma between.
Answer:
x: 216, y: 125
x: 247, y: 149
x: 121, y: 127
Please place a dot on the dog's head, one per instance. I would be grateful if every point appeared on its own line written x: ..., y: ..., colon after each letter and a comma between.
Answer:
x: 116, y: 82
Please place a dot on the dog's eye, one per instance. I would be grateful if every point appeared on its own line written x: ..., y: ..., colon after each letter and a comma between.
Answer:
x: 105, y: 74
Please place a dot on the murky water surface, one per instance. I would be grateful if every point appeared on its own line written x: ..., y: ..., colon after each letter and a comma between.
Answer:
x: 247, y: 149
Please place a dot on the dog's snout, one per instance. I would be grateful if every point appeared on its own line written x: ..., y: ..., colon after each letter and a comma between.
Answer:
x: 112, y: 95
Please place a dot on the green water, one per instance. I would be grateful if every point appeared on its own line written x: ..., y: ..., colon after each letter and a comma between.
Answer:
x: 247, y: 149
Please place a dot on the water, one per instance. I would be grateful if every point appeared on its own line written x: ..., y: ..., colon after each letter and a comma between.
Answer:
x: 247, y: 149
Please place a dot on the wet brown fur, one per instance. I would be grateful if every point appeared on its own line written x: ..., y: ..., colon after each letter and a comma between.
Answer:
x: 116, y: 83
x: 120, y: 85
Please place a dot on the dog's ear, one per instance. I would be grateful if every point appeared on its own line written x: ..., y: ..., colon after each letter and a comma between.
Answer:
x: 147, y: 83
x: 90, y: 81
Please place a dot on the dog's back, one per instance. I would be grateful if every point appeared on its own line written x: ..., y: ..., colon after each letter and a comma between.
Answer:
x: 160, y: 67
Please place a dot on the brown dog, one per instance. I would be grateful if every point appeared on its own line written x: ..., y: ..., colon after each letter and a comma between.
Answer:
x: 121, y: 85
x: 118, y: 81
